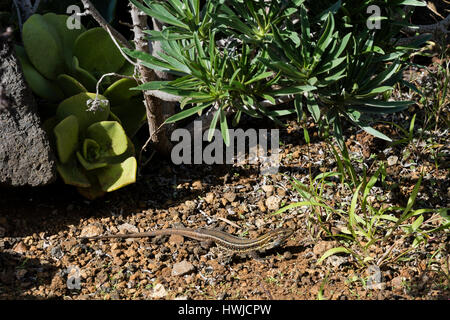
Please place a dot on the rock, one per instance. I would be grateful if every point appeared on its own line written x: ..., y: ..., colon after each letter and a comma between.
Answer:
x: 127, y: 228
x: 336, y: 261
x: 273, y: 203
x: 281, y: 192
x: 197, y: 185
x: 268, y: 190
x: 69, y: 244
x: 92, y: 230
x: 230, y: 196
x: 397, y: 282
x: 209, y: 197
x: 158, y: 291
x: 57, y: 283
x: 190, y: 205
x: 322, y: 246
x: 259, y: 222
x: 287, y: 255
x: 25, y: 154
x: 392, y: 160
x: 182, y: 268
x: 261, y: 206
x: 117, y: 261
x: 20, y: 274
x: 56, y: 252
x: 20, y: 248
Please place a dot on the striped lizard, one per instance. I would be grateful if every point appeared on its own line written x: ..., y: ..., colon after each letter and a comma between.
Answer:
x: 223, y: 240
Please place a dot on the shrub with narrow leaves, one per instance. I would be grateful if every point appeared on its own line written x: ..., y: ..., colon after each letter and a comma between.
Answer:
x: 241, y: 56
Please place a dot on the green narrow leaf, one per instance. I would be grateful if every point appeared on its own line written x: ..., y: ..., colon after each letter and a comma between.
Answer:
x: 213, y: 125
x: 325, y: 39
x: 224, y: 127
x: 333, y: 252
x: 352, y: 210
x: 373, y: 92
x: 159, y: 13
x: 313, y: 108
x: 412, y: 198
x: 298, y: 107
x: 186, y: 113
x: 200, y: 51
x: 294, y: 90
x: 375, y: 133
x: 412, y: 3
x: 148, y: 60
x: 261, y: 76
x: 416, y: 224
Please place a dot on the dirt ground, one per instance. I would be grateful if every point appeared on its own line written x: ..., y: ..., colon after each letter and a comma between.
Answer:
x: 41, y: 257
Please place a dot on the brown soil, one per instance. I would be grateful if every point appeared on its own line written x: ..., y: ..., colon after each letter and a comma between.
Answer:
x: 40, y: 251
x: 41, y: 257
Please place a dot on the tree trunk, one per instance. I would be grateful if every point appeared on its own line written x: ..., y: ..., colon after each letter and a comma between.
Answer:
x: 157, y: 110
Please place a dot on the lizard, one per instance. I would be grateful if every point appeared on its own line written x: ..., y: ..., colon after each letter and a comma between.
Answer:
x: 223, y: 240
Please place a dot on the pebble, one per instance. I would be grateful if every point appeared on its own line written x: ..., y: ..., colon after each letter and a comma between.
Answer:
x: 56, y: 252
x: 392, y: 160
x: 287, y: 255
x: 397, y: 282
x: 268, y: 190
x: 273, y: 203
x: 261, y: 206
x: 190, y: 205
x: 336, y: 261
x: 20, y: 248
x: 127, y: 228
x: 182, y: 268
x: 117, y: 261
x: 92, y: 230
x: 322, y: 246
x: 20, y: 274
x: 197, y: 185
x: 230, y: 196
x: 259, y: 222
x: 209, y: 197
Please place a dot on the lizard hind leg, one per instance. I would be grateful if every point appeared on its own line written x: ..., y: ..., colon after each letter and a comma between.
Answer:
x: 224, y: 257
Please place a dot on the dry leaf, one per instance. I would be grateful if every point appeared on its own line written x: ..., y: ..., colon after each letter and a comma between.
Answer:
x: 432, y: 7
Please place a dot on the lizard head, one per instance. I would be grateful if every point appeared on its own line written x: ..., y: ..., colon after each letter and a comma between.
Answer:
x: 278, y: 237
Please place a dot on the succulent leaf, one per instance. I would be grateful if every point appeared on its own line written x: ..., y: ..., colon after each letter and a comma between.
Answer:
x: 110, y: 136
x: 40, y: 85
x: 67, y: 36
x: 69, y: 85
x: 97, y: 53
x: 66, y: 133
x: 118, y: 175
x: 73, y: 175
x: 90, y: 165
x: 77, y: 106
x: 43, y: 46
x: 127, y: 105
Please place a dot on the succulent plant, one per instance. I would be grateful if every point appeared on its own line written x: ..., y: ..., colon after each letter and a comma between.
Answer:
x: 94, y: 152
x: 59, y: 62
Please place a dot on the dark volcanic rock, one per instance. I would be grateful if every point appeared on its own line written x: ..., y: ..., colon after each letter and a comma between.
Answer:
x: 25, y: 154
